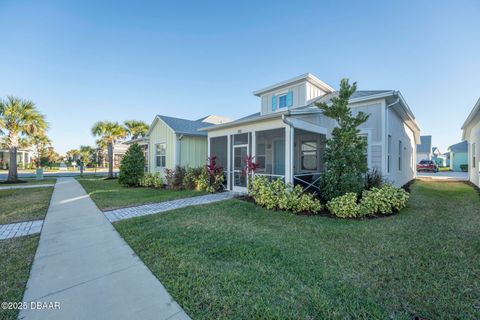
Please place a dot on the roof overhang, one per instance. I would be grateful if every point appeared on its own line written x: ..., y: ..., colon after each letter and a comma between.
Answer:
x: 474, y: 114
x: 304, y: 77
x: 244, y: 121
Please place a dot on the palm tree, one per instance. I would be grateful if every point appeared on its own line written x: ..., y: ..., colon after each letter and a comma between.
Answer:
x: 109, y: 133
x: 136, y: 129
x: 19, y: 119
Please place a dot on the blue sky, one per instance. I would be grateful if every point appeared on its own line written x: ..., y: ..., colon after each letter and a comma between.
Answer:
x: 83, y: 61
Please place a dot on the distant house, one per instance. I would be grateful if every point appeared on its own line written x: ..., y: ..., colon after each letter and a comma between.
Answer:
x: 24, y: 158
x: 471, y: 133
x: 439, y: 158
x: 424, y: 149
x: 458, y: 155
x: 174, y: 141
x: 119, y: 150
x: 288, y: 136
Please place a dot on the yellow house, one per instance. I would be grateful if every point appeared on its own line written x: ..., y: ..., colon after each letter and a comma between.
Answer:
x: 174, y: 141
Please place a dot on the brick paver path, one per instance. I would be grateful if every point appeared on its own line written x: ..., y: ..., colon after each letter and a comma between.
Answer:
x: 125, y: 213
x: 19, y: 229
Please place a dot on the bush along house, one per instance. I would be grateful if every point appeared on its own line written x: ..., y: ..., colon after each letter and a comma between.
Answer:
x: 287, y: 137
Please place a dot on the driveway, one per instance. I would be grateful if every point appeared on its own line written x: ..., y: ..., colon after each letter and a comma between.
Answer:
x: 447, y: 175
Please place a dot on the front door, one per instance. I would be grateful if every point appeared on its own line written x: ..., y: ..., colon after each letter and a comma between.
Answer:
x: 240, y: 153
x: 279, y: 157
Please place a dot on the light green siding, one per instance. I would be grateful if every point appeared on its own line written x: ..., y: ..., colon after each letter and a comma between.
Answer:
x: 193, y: 151
x: 457, y: 159
x: 159, y: 134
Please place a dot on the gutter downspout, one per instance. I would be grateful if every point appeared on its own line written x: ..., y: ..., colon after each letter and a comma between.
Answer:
x: 386, y: 146
x: 290, y: 149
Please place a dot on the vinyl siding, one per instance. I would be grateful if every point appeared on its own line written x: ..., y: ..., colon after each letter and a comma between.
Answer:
x: 161, y: 133
x: 474, y: 138
x: 457, y: 159
x: 399, y: 131
x: 193, y: 151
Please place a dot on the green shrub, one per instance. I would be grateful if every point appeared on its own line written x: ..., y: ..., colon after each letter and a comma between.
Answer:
x: 384, y: 200
x: 152, y: 180
x: 464, y: 167
x: 210, y: 181
x: 279, y: 195
x: 132, y: 166
x: 175, y: 177
x: 191, y: 177
x: 345, y: 206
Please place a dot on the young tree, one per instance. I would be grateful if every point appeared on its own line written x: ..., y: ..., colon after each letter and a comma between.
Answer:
x: 19, y: 119
x: 344, y: 153
x: 110, y: 133
x: 86, y: 154
x: 41, y: 144
x: 136, y: 129
x: 132, y: 166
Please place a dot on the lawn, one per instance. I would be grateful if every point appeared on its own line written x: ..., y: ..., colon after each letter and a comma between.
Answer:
x: 108, y: 194
x: 234, y: 260
x: 29, y: 182
x: 24, y: 204
x: 16, y: 256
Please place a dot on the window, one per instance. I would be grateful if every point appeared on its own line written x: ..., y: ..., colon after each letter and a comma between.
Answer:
x: 309, y: 152
x: 473, y: 155
x: 364, y: 136
x: 160, y: 154
x: 282, y: 101
x: 389, y: 149
x: 399, y: 155
x: 260, y: 156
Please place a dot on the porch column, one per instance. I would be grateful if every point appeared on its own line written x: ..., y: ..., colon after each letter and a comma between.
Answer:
x: 289, y: 150
x: 229, y: 164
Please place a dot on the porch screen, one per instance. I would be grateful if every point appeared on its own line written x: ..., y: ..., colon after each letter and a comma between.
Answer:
x: 218, y: 148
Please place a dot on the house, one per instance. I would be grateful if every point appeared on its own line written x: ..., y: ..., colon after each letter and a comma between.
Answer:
x: 175, y: 141
x: 424, y: 148
x: 471, y: 133
x: 287, y: 137
x: 119, y: 150
x: 458, y: 156
x: 439, y: 157
x: 25, y: 157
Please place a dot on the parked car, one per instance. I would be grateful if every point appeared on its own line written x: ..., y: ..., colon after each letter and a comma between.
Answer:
x: 427, y: 165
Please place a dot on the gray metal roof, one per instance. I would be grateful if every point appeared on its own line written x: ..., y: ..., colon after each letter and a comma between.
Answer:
x: 356, y: 95
x: 184, y: 126
x: 459, y: 147
x: 425, y: 145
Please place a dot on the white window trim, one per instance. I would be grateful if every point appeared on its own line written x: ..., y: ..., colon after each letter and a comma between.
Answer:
x: 157, y: 155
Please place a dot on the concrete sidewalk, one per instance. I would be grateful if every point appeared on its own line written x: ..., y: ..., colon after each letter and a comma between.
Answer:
x: 30, y: 186
x: 84, y: 265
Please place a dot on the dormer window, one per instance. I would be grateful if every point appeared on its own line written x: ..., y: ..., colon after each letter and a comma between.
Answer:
x: 284, y: 100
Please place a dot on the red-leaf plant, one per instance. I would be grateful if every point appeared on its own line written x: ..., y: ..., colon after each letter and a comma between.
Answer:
x: 250, y: 165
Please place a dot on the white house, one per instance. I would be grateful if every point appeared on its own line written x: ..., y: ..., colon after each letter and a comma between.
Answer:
x: 424, y: 148
x: 24, y: 158
x: 287, y: 137
x: 471, y: 133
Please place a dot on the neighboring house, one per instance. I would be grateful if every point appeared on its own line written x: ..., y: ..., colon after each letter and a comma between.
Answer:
x: 174, y: 141
x: 287, y: 137
x: 424, y: 148
x: 119, y: 150
x: 439, y: 157
x: 447, y: 158
x: 24, y: 158
x: 458, y: 155
x: 471, y: 133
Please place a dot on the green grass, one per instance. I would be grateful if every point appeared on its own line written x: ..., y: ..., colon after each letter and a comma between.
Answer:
x: 30, y: 181
x: 235, y: 260
x: 24, y: 204
x: 16, y: 257
x: 108, y: 194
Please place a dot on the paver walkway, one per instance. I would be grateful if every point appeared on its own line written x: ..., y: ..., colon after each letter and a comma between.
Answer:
x: 27, y: 187
x: 125, y: 213
x: 83, y: 264
x: 19, y: 229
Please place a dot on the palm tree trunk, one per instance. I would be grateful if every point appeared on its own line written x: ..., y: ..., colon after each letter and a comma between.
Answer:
x: 110, y: 160
x: 12, y: 166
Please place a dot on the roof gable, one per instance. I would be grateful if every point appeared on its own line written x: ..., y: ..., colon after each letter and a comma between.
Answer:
x: 459, y: 147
